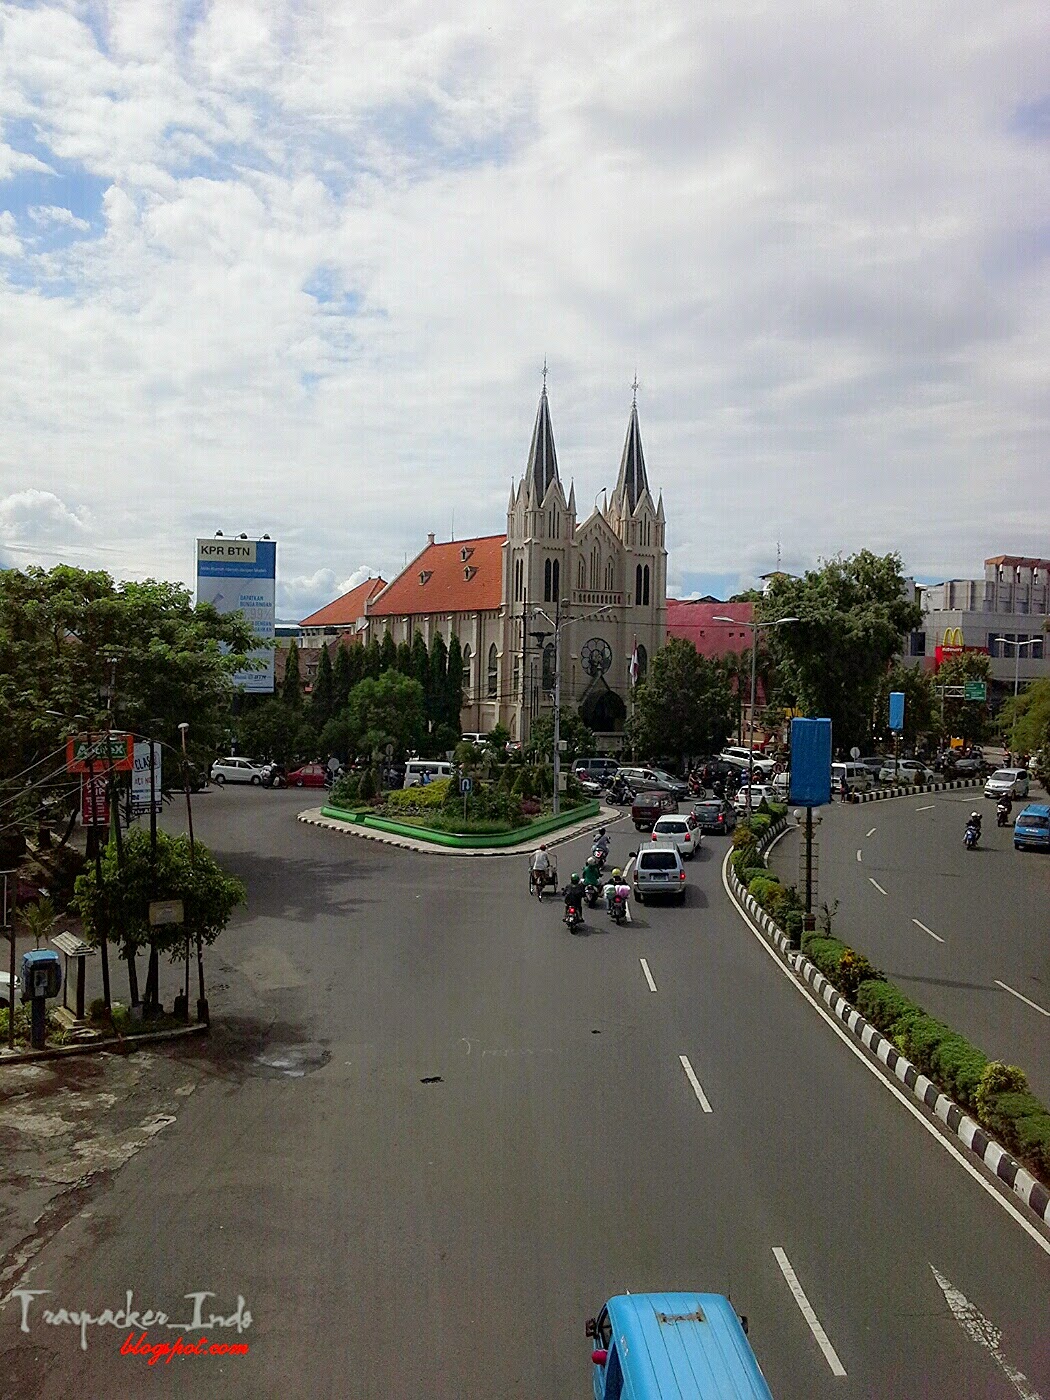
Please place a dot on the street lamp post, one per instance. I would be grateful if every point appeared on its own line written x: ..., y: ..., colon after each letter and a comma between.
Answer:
x: 557, y: 622
x: 756, y: 627
x: 202, y: 1001
x: 1017, y: 675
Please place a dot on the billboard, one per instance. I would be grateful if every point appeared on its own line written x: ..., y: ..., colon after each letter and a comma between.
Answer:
x: 237, y: 575
x: 140, y: 779
x: 810, y: 762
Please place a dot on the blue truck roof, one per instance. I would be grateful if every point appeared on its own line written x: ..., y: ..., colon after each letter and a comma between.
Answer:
x: 674, y: 1345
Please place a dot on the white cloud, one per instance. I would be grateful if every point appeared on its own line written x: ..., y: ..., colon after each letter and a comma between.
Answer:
x: 299, y: 597
x: 335, y: 249
x: 53, y: 214
x: 39, y: 516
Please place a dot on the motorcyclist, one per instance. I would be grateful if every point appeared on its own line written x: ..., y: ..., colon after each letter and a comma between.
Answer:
x: 602, y: 843
x: 1003, y: 808
x: 591, y: 876
x: 975, y: 822
x: 619, y: 791
x: 574, y: 897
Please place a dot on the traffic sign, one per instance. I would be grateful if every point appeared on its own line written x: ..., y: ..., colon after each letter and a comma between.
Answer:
x: 854, y: 752
x: 976, y: 690
x: 100, y: 751
x: 465, y: 785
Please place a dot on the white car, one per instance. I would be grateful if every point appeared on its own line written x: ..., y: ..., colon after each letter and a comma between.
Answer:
x: 5, y: 988
x: 682, y: 832
x: 236, y: 770
x: 1012, y: 782
x: 742, y: 758
x: 908, y: 770
x: 751, y: 798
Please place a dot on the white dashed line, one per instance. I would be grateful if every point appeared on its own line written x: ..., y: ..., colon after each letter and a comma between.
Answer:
x: 648, y: 974
x: 1032, y: 1004
x: 877, y: 886
x: 984, y: 1333
x: 918, y: 924
x: 697, y: 1090
x: 805, y: 1308
x: 872, y: 831
x: 926, y: 809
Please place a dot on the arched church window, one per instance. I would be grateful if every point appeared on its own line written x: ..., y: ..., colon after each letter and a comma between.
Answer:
x: 548, y: 666
x: 555, y: 581
x: 638, y: 586
x: 492, y: 678
x: 516, y: 679
x: 643, y: 662
x: 546, y: 580
x: 466, y: 668
x: 608, y: 575
x: 645, y: 586
x: 581, y: 575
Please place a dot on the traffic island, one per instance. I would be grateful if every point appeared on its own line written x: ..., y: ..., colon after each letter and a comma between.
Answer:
x: 563, y: 827
x: 914, y: 790
x: 998, y: 1091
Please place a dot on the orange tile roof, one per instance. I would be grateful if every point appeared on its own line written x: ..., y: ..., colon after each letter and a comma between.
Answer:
x: 345, y: 611
x: 446, y: 587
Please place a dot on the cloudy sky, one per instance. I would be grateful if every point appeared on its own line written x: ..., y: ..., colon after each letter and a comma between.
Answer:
x: 294, y: 266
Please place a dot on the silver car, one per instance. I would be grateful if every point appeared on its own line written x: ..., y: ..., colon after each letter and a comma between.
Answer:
x: 658, y: 871
x: 1008, y: 782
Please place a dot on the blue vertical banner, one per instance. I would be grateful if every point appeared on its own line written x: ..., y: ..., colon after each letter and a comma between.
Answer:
x: 810, y: 784
x: 897, y: 710
x: 239, y: 576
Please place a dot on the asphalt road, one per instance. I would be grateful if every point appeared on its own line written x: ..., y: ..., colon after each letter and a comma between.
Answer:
x: 432, y: 1132
x: 964, y: 933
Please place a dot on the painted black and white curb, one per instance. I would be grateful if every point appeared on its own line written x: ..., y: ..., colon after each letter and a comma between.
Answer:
x: 313, y: 817
x: 912, y: 789
x: 995, y: 1157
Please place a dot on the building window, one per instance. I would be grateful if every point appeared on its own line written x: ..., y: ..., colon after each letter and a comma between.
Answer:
x: 548, y: 666
x: 492, y: 678
x: 556, y: 581
x: 638, y: 586
x: 546, y: 580
x: 466, y: 669
x: 519, y: 580
x: 1036, y: 649
x: 608, y: 575
x: 581, y: 576
x: 645, y: 586
x: 643, y: 662
x: 918, y: 644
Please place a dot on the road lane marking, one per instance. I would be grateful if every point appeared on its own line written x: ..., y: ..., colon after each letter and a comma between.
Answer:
x: 648, y: 974
x: 984, y: 1334
x: 1004, y: 1201
x: 695, y: 1083
x: 859, y: 856
x: 872, y: 831
x: 1032, y: 1004
x: 878, y: 886
x: 926, y: 809
x: 919, y: 924
x: 806, y: 1309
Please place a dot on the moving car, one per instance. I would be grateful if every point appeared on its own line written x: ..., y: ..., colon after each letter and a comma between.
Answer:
x: 714, y: 815
x: 236, y: 770
x: 418, y: 769
x: 654, y: 778
x: 750, y: 798
x: 599, y: 770
x: 1032, y: 827
x: 744, y: 758
x: 658, y: 871
x: 1012, y: 781
x: 681, y: 831
x: 649, y: 806
x: 309, y: 775
x: 908, y: 770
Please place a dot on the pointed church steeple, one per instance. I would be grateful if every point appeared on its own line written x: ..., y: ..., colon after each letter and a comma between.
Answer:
x: 543, y: 460
x: 632, y: 480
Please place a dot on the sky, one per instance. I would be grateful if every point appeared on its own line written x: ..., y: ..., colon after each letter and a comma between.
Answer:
x: 293, y: 267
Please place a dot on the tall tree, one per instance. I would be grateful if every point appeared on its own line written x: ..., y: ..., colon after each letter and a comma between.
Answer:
x: 292, y: 686
x: 853, y: 615
x: 437, y: 681
x: 1025, y: 724
x: 420, y: 661
x: 389, y: 710
x: 964, y: 719
x: 387, y: 652
x: 921, y: 713
x: 322, y: 699
x: 684, y: 707
x: 372, y: 663
x: 454, y: 684
x: 404, y: 658
x: 343, y: 679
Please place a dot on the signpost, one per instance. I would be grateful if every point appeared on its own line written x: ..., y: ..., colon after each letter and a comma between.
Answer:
x: 976, y: 690
x: 465, y: 785
x: 94, y: 800
x: 115, y: 750
x: 810, y: 786
x: 146, y: 784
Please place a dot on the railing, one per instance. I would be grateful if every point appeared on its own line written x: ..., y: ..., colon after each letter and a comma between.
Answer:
x: 596, y: 598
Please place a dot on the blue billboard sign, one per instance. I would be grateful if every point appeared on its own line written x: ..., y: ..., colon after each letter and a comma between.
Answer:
x: 237, y: 575
x: 897, y: 709
x: 810, y: 784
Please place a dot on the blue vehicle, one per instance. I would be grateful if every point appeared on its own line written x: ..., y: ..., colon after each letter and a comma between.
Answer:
x: 1032, y: 827
x: 659, y: 1346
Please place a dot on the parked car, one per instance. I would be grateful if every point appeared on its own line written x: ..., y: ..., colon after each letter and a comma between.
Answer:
x: 749, y: 798
x: 781, y: 785
x: 5, y: 988
x: 598, y: 770
x: 908, y: 770
x: 1011, y: 781
x: 875, y: 762
x: 855, y: 777
x: 658, y: 870
x: 715, y: 815
x: 654, y: 778
x: 313, y: 775
x: 649, y: 806
x: 680, y: 830
x: 1032, y: 827
x: 236, y: 770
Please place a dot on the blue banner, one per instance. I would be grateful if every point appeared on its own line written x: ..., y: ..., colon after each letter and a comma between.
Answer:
x: 810, y: 784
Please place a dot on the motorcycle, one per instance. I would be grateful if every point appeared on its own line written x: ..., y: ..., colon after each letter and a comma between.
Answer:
x: 1002, y: 814
x: 697, y: 789
x: 970, y: 837
x: 591, y: 894
x: 620, y: 795
x: 573, y: 919
x: 598, y: 859
x: 618, y: 909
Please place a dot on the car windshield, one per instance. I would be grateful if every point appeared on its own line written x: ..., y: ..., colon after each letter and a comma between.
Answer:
x: 1005, y: 775
x: 1035, y: 821
x: 671, y: 826
x: 658, y: 860
x: 708, y: 811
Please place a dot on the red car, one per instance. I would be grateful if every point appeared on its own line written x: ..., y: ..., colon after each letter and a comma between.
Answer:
x: 309, y: 775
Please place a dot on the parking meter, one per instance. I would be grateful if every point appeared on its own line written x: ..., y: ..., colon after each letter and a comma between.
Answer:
x: 41, y: 978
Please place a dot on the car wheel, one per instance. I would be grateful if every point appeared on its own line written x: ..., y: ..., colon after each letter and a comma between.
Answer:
x: 256, y: 780
x: 298, y: 782
x: 639, y: 896
x: 219, y: 778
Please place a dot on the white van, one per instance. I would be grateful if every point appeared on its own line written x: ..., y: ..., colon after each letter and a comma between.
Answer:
x: 432, y: 767
x: 856, y: 776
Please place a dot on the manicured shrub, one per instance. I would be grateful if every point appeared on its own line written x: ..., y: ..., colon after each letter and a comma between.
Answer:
x: 884, y: 1006
x: 759, y: 825
x: 762, y: 886
x: 1022, y: 1124
x: 369, y: 787
x: 853, y: 969
x: 957, y: 1067
x: 996, y: 1079
x: 345, y: 790
x: 792, y: 924
x: 742, y: 837
x: 752, y: 872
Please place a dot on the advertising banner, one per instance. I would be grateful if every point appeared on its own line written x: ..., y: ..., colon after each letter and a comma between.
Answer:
x: 239, y: 576
x: 101, y: 750
x: 97, y: 813
x: 810, y: 762
x: 896, y: 709
x: 140, y: 784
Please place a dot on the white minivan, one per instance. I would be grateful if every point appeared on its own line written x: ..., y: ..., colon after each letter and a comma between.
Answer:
x: 856, y: 776
x: 433, y: 768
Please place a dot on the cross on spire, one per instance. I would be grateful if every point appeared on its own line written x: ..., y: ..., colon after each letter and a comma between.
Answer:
x: 634, y: 389
x: 545, y: 374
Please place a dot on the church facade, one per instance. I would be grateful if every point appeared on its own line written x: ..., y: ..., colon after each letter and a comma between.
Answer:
x: 599, y: 586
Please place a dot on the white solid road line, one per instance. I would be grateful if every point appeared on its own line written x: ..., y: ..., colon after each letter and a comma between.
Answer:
x: 872, y: 831
x: 695, y: 1083
x: 983, y: 1333
x: 926, y: 809
x: 1034, y: 1005
x: 860, y: 856
x: 919, y: 924
x: 648, y: 974
x: 805, y: 1308
x: 877, y: 886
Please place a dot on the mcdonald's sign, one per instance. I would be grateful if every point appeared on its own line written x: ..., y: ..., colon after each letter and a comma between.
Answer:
x: 952, y: 639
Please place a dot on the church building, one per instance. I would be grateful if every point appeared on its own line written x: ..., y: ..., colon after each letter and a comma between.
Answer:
x: 601, y: 584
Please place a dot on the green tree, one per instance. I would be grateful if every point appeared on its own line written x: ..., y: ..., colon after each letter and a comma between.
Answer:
x: 404, y: 658
x: 372, y: 661
x: 269, y: 730
x: 390, y: 710
x: 1025, y: 724
x: 344, y: 676
x: 454, y: 685
x: 579, y: 739
x: 853, y: 616
x: 292, y: 685
x: 387, y: 652
x: 209, y: 895
x: 685, y: 706
x: 921, y: 705
x: 322, y: 700
x: 965, y: 719
x: 420, y: 661
x: 437, y: 682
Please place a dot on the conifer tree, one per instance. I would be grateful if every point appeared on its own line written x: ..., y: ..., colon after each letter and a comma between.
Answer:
x: 292, y: 686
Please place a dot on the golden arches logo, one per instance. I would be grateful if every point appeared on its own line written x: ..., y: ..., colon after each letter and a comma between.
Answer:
x: 952, y: 637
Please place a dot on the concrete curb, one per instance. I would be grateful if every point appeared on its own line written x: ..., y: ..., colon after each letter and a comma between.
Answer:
x: 605, y: 817
x: 994, y: 1156
x: 911, y: 790
x: 123, y: 1046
